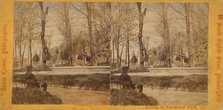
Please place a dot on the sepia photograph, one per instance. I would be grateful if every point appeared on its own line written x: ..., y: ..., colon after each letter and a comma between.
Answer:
x: 61, y: 53
x: 159, y: 54
x: 110, y: 53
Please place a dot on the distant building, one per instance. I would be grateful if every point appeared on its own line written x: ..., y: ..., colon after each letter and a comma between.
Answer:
x: 82, y: 59
x: 180, y: 60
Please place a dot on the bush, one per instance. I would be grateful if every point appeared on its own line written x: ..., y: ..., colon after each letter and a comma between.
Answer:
x: 33, y: 96
x: 38, y: 68
x: 94, y: 82
x: 130, y: 97
x: 69, y: 83
x: 192, y: 83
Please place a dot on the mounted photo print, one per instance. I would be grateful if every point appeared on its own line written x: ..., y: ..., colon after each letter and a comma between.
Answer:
x: 111, y: 55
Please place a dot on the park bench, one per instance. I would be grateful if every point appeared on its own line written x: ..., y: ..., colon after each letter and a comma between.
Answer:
x: 22, y: 83
x: 32, y: 84
x: 19, y: 83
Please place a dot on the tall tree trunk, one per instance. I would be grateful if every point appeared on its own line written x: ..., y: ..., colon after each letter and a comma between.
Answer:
x: 117, y: 50
x: 45, y: 51
x: 69, y: 40
x: 166, y: 34
x: 117, y: 44
x: 127, y: 59
x: 30, y: 50
x: 89, y: 19
x: 15, y: 54
x: 109, y: 33
x: 96, y: 46
x: 141, y: 16
x: 120, y: 56
x: 188, y: 31
x: 128, y: 54
x: 20, y: 55
x: 113, y: 50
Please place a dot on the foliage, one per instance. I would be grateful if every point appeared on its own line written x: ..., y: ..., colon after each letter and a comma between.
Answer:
x: 130, y: 97
x: 37, y: 68
x: 33, y: 96
x: 116, y: 23
x: 193, y: 83
x: 134, y: 59
x: 78, y: 44
x: 92, y: 82
x: 26, y: 30
x: 36, y: 58
x: 64, y: 54
x: 96, y: 83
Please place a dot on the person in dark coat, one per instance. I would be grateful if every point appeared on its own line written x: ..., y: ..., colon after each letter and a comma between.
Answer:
x: 126, y: 79
x: 30, y: 78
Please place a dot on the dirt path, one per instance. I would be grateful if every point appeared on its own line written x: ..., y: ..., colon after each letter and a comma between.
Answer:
x: 76, y: 96
x: 173, y: 97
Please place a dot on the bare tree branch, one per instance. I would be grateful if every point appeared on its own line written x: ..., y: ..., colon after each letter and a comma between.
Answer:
x: 176, y: 10
x: 79, y: 10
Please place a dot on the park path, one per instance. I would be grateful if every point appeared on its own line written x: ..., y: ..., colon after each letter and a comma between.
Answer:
x: 173, y: 97
x: 164, y: 97
x: 80, y: 97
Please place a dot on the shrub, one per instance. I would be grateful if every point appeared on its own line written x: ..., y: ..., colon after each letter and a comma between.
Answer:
x: 130, y: 97
x: 33, y: 96
x: 35, y: 69
x: 69, y: 83
x: 192, y: 83
x: 96, y: 82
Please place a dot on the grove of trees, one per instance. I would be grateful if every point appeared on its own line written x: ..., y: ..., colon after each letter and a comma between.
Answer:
x: 111, y: 30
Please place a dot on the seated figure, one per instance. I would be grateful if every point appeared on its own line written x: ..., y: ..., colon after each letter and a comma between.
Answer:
x: 30, y: 78
x: 125, y: 79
